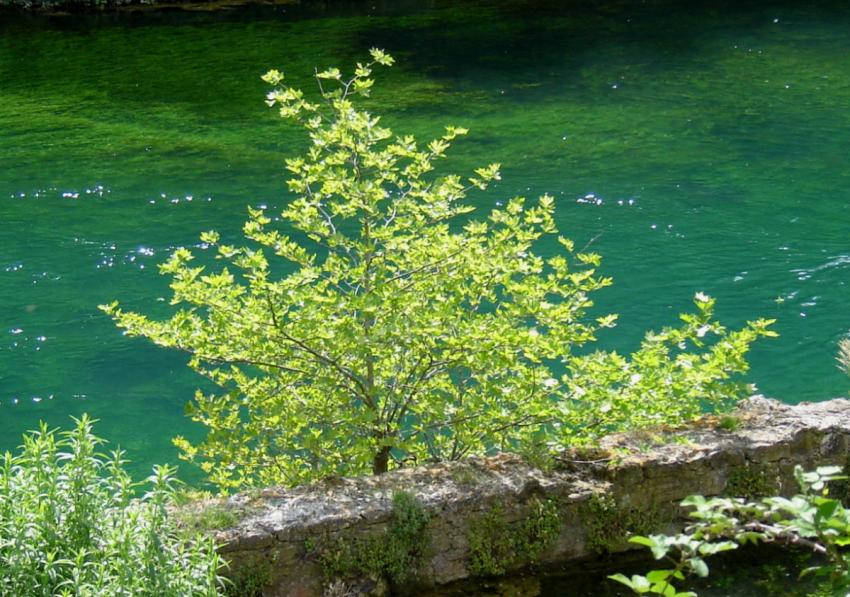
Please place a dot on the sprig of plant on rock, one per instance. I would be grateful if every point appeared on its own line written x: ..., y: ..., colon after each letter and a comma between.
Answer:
x: 810, y: 520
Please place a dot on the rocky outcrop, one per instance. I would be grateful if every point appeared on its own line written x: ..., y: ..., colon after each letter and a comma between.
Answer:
x: 499, y: 514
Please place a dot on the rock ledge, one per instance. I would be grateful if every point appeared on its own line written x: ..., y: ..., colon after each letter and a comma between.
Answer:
x: 632, y: 484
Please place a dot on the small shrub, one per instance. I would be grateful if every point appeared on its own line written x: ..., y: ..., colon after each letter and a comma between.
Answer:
x: 394, y: 555
x: 70, y: 525
x: 811, y: 520
x: 729, y: 423
x: 750, y: 481
x: 251, y: 576
x: 609, y: 524
x: 495, y: 546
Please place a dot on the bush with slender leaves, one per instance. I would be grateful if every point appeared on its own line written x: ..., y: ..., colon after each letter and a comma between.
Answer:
x: 376, y: 323
x: 71, y: 525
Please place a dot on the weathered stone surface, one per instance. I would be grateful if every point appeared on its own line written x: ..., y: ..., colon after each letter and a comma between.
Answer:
x: 632, y: 484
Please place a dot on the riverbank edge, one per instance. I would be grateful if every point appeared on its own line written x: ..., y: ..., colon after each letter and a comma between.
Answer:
x: 500, y: 516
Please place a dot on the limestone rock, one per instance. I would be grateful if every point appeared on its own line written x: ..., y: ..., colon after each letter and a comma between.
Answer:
x: 632, y: 483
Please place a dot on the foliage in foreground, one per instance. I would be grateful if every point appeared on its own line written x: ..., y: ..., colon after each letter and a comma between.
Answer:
x: 375, y: 323
x: 69, y: 525
x: 811, y: 519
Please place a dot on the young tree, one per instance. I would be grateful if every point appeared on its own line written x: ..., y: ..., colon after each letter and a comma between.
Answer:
x: 399, y: 329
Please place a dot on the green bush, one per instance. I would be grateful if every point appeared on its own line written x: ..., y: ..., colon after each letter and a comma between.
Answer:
x: 70, y: 525
x: 375, y: 323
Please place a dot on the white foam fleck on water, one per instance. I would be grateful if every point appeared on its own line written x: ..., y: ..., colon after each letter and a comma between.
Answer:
x: 834, y: 262
x: 591, y: 199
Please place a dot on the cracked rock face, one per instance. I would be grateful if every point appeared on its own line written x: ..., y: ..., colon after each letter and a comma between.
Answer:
x: 632, y: 483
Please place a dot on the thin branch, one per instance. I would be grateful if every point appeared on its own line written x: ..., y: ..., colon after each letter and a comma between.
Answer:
x: 590, y: 242
x: 332, y: 362
x: 775, y: 533
x: 239, y: 361
x: 426, y: 266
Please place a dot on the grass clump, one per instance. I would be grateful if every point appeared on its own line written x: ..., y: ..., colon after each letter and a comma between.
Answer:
x: 70, y: 524
x: 202, y: 512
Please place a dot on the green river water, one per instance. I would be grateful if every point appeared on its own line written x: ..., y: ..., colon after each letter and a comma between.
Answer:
x: 712, y: 135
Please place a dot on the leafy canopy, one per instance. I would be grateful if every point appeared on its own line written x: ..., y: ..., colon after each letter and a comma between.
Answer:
x: 380, y: 324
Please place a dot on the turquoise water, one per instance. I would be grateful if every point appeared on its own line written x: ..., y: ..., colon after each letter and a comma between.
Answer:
x: 713, y: 137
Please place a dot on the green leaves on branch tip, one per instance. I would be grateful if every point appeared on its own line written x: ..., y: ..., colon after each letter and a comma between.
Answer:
x: 381, y: 57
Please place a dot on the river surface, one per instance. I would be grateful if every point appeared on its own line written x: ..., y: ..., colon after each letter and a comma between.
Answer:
x: 710, y: 137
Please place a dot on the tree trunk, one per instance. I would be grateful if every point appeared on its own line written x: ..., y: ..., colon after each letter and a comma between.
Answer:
x: 381, y: 461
